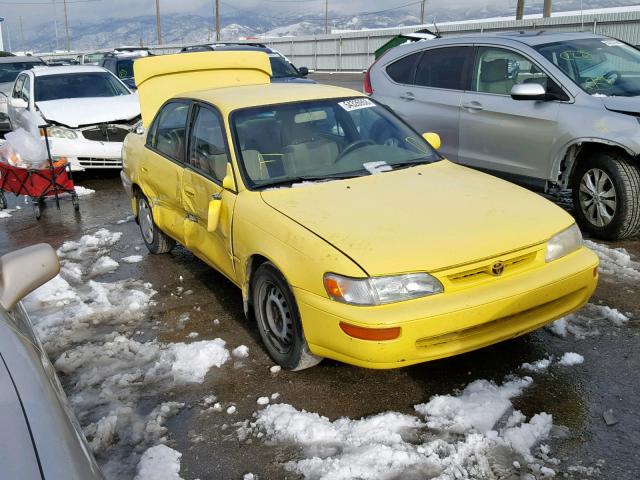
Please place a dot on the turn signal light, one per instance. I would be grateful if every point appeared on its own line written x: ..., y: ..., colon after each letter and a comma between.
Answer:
x: 370, y: 333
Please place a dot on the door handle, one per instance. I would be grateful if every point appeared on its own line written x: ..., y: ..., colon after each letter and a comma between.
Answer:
x: 144, y: 169
x: 190, y: 192
x: 472, y: 106
x: 408, y: 96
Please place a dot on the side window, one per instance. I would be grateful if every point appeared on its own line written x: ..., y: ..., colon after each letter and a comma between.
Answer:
x: 17, y: 88
x: 403, y: 70
x: 446, y: 67
x: 497, y: 70
x: 169, y: 135
x: 26, y: 89
x: 208, y: 152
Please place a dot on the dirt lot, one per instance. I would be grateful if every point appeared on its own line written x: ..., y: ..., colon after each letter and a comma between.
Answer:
x: 215, y: 444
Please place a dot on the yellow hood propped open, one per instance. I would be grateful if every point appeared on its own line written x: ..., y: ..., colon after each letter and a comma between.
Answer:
x: 165, y: 76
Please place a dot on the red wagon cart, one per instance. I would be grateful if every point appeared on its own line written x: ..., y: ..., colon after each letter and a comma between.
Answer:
x: 38, y: 184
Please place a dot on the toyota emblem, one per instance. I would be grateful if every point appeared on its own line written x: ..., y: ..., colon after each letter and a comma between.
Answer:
x: 497, y: 269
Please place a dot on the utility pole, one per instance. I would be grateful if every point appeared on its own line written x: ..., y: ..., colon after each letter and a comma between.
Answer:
x: 422, y: 12
x: 55, y: 22
x: 546, y: 12
x: 158, y: 27
x: 66, y: 27
x: 217, y: 20
x: 22, y: 44
x: 520, y: 10
x: 326, y: 16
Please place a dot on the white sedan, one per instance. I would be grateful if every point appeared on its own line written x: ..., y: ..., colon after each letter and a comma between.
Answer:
x: 89, y: 111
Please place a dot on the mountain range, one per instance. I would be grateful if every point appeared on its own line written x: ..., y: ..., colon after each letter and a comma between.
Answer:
x: 193, y: 29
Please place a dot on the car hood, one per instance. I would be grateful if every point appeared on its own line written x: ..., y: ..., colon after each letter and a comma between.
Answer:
x: 622, y: 104
x: 75, y: 112
x: 425, y: 218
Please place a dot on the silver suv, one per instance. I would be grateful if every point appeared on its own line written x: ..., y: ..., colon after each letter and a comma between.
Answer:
x: 552, y: 111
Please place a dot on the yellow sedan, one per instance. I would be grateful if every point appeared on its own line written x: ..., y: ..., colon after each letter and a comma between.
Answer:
x: 350, y: 236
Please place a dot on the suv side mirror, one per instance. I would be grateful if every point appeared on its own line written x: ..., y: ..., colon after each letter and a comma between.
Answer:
x: 19, y: 103
x: 304, y: 71
x: 22, y: 271
x: 528, y: 91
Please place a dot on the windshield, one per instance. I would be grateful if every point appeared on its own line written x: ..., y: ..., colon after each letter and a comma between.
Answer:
x: 78, y: 85
x: 324, y: 139
x: 600, y: 66
x: 280, y: 67
x: 124, y: 69
x: 9, y: 71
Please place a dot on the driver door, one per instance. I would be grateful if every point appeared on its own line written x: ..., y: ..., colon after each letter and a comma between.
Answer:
x: 206, y: 167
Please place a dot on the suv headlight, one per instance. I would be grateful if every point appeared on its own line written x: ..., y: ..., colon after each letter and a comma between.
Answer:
x: 563, y: 243
x: 380, y: 290
x: 61, y: 132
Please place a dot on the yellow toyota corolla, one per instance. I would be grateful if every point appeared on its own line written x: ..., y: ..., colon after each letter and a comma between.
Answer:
x: 350, y: 236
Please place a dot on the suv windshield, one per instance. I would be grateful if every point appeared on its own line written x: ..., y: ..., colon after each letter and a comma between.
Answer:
x: 124, y: 68
x: 600, y: 66
x: 78, y: 85
x: 324, y: 139
x: 9, y: 71
x: 280, y: 67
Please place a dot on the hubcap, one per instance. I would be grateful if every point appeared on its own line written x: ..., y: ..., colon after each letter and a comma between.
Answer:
x: 146, y: 221
x: 276, y: 317
x: 597, y: 197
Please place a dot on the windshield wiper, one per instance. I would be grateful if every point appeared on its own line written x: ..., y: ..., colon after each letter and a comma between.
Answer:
x: 410, y: 163
x: 310, y: 178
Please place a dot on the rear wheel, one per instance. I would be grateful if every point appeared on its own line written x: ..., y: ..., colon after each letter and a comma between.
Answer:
x: 154, y: 238
x: 278, y: 320
x: 606, y: 195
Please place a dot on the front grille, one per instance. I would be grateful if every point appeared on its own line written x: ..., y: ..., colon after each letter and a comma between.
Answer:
x: 484, y: 271
x: 89, y: 162
x: 106, y: 133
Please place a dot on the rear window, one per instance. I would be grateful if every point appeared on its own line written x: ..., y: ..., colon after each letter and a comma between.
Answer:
x: 402, y: 71
x: 9, y: 71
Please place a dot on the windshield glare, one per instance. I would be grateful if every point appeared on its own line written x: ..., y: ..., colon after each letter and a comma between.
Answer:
x: 78, y: 85
x: 600, y: 66
x: 9, y: 71
x: 327, y: 139
x: 281, y: 68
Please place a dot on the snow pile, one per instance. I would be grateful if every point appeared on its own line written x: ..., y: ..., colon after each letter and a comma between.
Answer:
x: 103, y: 266
x: 537, y: 366
x: 83, y: 191
x: 159, y: 463
x: 460, y: 437
x: 241, y: 352
x: 615, y: 261
x: 571, y: 358
x: 191, y: 361
x: 133, y: 259
x: 588, y: 321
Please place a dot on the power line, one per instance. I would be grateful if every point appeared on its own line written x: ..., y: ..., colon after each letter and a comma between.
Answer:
x: 28, y: 4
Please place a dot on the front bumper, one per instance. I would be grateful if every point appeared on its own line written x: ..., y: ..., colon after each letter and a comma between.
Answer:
x: 85, y: 154
x: 451, y: 323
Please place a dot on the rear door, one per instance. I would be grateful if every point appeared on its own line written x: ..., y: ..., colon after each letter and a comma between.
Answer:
x: 206, y: 167
x: 501, y: 134
x: 162, y: 167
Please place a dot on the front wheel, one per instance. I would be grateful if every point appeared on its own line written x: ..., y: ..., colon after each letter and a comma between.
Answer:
x: 276, y: 313
x: 155, y: 239
x: 606, y: 195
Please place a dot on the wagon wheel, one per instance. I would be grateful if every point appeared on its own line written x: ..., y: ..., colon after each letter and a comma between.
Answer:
x: 75, y: 201
x: 36, y: 209
x: 3, y: 201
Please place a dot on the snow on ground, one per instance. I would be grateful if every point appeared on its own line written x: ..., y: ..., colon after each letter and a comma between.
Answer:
x: 83, y: 191
x: 475, y: 434
x: 589, y: 321
x: 133, y: 259
x: 571, y: 358
x: 159, y: 463
x: 112, y: 380
x: 241, y: 352
x: 615, y: 261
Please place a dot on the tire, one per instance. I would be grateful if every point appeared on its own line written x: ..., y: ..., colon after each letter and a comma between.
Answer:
x: 155, y: 239
x: 3, y: 201
x: 281, y: 330
x: 37, y: 210
x: 606, y: 195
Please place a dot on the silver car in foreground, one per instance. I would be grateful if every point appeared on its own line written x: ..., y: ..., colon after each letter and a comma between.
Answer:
x: 552, y: 111
x: 39, y: 435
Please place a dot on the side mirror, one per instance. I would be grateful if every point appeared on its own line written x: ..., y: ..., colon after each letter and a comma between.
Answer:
x: 432, y: 139
x: 528, y: 91
x: 213, y: 215
x: 22, y: 271
x: 304, y: 71
x: 19, y: 103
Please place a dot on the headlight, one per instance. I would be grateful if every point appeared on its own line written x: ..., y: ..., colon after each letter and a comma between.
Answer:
x: 563, y: 243
x: 380, y: 290
x: 61, y: 132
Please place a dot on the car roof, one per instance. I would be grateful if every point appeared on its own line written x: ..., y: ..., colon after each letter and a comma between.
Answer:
x: 235, y: 47
x: 21, y: 59
x: 62, y: 70
x: 228, y: 99
x: 527, y: 37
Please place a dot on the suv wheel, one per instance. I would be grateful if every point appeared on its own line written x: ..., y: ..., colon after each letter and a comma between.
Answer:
x: 276, y: 313
x: 154, y: 238
x: 606, y: 195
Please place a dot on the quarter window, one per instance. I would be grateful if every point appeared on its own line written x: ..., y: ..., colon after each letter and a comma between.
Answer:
x: 169, y: 134
x: 498, y: 70
x: 445, y: 68
x: 208, y: 152
x: 403, y: 70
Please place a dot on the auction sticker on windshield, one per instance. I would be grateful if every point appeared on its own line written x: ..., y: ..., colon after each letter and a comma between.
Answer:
x: 356, y: 104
